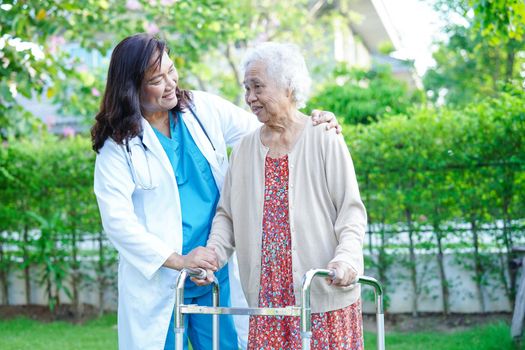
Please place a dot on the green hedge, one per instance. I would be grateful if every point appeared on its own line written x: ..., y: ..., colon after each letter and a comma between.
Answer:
x: 459, y: 174
x: 47, y: 211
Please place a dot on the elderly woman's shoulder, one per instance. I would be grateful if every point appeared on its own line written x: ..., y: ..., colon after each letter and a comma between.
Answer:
x: 320, y: 134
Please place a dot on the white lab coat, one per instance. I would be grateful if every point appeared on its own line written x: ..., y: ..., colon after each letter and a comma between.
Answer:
x: 145, y: 225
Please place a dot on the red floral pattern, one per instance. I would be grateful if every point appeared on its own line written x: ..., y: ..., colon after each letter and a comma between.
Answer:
x: 339, y: 329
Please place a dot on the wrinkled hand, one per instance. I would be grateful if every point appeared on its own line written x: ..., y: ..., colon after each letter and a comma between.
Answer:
x: 202, y: 257
x: 344, y: 274
x: 204, y: 282
x: 321, y: 117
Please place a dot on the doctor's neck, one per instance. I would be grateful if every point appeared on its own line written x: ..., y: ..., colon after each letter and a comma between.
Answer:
x: 159, y: 120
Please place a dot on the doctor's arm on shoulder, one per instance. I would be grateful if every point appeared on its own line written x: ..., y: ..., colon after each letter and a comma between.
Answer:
x: 114, y: 187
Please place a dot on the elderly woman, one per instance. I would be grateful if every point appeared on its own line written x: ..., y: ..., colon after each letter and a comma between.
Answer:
x: 161, y: 162
x: 290, y: 203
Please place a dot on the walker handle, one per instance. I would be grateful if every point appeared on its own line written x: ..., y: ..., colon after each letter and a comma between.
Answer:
x: 332, y: 275
x: 197, y: 273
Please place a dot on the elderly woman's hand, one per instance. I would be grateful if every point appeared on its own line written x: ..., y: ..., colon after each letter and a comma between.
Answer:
x: 320, y: 117
x: 344, y: 274
x: 206, y: 281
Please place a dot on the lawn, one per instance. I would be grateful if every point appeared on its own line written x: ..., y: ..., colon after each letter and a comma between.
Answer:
x: 101, y: 334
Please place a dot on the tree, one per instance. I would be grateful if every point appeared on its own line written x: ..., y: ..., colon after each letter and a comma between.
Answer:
x: 33, y: 34
x: 484, y: 50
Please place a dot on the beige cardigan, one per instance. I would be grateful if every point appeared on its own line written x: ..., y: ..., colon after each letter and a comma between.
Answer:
x: 327, y: 217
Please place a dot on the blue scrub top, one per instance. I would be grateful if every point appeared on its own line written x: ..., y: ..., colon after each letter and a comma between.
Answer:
x: 198, y: 193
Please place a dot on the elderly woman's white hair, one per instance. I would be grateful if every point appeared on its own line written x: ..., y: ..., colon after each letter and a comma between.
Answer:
x: 285, y: 65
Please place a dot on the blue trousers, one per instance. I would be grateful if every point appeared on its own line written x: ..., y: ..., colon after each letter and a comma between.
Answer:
x: 198, y: 328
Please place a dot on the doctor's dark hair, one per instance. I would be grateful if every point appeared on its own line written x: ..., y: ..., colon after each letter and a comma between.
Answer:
x: 120, y: 115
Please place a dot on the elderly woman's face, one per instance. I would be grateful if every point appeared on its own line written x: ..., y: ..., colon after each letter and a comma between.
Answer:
x: 158, y: 87
x: 265, y: 96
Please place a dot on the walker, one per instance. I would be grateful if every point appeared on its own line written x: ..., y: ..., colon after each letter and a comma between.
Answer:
x: 303, y: 311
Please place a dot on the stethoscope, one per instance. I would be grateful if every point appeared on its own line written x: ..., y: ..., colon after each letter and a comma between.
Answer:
x: 136, y: 178
x: 149, y: 185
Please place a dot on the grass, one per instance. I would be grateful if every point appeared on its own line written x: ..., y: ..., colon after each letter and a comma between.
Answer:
x: 101, y: 334
x: 23, y: 333
x: 490, y: 337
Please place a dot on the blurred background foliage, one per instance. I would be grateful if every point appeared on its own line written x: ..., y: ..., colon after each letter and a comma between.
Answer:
x: 483, y: 51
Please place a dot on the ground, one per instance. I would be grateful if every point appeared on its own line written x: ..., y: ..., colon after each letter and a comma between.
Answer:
x: 393, y: 322
x: 42, y: 313
x: 30, y: 327
x: 434, y: 322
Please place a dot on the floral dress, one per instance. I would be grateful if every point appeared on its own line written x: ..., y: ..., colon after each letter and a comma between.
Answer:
x: 338, y: 329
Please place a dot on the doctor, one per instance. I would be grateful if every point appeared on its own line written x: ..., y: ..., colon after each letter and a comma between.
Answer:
x: 160, y: 166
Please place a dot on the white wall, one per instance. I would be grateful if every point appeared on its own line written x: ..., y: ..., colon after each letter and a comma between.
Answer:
x: 463, y: 294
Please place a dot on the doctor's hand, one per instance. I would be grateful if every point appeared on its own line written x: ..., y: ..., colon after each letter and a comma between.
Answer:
x: 344, y: 274
x: 199, y: 257
x: 328, y: 118
x: 202, y: 257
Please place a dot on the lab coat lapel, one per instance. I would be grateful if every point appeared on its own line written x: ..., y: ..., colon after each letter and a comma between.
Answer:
x: 151, y: 141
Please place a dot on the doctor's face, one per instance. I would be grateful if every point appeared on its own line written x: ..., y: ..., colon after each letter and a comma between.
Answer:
x: 157, y: 92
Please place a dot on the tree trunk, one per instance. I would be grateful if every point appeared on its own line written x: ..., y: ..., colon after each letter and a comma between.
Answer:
x: 503, y: 267
x: 412, y: 263
x: 101, y: 279
x: 27, y: 265
x: 4, y: 276
x: 477, y: 265
x: 233, y: 65
x: 509, y: 62
x: 57, y: 279
x: 382, y: 257
x: 57, y: 295
x: 508, y: 246
x: 442, y: 275
x: 495, y: 71
x: 75, y: 276
x: 510, y: 286
x: 49, y: 291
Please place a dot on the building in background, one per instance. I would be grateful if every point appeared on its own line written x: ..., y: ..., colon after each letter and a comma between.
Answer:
x: 369, y: 38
